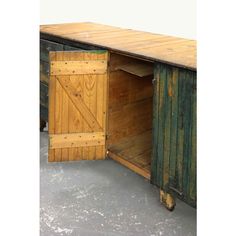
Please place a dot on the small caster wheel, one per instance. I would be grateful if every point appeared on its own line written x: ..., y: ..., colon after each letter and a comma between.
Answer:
x: 167, y: 200
x: 42, y: 125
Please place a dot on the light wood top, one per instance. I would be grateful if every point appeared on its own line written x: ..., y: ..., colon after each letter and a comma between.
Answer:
x: 154, y: 47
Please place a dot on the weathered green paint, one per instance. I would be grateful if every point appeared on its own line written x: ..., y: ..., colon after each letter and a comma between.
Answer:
x: 166, y: 109
x: 43, y: 113
x: 44, y: 67
x: 192, y: 181
x: 70, y: 48
x: 44, y: 71
x: 43, y: 94
x: 161, y: 117
x: 174, y: 132
x: 180, y: 132
x: 174, y: 123
x: 68, y: 42
x: 155, y: 164
x: 47, y: 46
x: 97, y: 51
x: 187, y: 133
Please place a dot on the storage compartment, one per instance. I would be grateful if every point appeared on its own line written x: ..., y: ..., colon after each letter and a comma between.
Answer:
x: 130, y: 113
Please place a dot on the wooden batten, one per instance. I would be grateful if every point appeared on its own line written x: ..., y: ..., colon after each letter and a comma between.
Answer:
x: 78, y: 67
x: 76, y: 140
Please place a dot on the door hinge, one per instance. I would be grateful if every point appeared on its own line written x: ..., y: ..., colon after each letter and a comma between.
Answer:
x: 107, y: 153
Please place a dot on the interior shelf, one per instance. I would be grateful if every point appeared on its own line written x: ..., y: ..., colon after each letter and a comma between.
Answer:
x: 134, y: 152
x: 139, y: 69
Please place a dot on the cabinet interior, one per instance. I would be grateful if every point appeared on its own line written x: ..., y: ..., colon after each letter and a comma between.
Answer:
x: 130, y: 113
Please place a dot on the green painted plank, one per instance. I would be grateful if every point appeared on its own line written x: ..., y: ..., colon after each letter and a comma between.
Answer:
x: 44, y: 67
x: 174, y: 126
x: 192, y: 182
x: 167, y: 126
x: 43, y: 113
x: 156, y: 88
x: 180, y: 137
x: 47, y: 46
x: 68, y: 42
x: 187, y: 133
x: 44, y: 72
x: 96, y: 51
x: 43, y: 94
x: 161, y: 120
x: 70, y: 48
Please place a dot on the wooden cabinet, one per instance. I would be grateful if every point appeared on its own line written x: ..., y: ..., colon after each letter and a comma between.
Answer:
x: 125, y: 95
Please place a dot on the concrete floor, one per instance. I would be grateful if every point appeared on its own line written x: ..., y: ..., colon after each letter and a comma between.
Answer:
x: 90, y: 198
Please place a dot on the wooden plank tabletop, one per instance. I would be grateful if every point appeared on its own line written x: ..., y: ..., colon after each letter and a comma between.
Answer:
x: 155, y: 47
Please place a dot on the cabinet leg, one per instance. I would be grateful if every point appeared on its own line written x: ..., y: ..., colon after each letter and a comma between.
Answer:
x: 42, y: 125
x: 167, y: 200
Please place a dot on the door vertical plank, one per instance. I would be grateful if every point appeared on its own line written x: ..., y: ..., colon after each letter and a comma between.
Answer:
x: 77, y: 120
x: 80, y: 121
x: 100, y: 110
x: 90, y: 91
x: 101, y: 104
x: 86, y: 128
x: 64, y: 124
x: 51, y: 120
x: 58, y: 110
x: 72, y: 127
x: 104, y: 92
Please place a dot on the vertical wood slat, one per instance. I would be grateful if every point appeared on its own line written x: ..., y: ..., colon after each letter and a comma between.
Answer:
x: 192, y: 180
x: 155, y: 125
x: 77, y: 122
x: 167, y: 126
x: 102, y: 93
x: 90, y: 99
x: 161, y: 121
x: 174, y: 128
x: 180, y: 138
x: 187, y: 133
x: 99, y: 151
x: 65, y: 123
x: 51, y: 117
x: 58, y: 111
x: 75, y: 119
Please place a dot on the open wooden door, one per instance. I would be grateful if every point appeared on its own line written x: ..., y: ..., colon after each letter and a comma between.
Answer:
x: 77, y: 105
